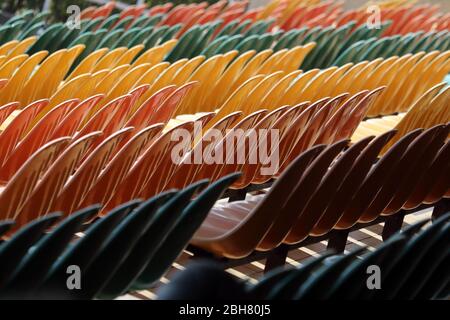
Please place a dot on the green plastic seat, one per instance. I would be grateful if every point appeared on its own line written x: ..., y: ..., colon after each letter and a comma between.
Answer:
x: 190, y: 220
x: 13, y: 250
x: 160, y: 228
x: 45, y: 38
x: 123, y: 24
x: 139, y: 22
x: 5, y: 226
x: 439, y: 42
x: 110, y: 39
x: 226, y: 45
x: 83, y: 252
x: 438, y: 283
x: 197, y: 46
x: 110, y: 21
x: 352, y: 53
x: 4, y: 30
x: 187, y: 40
x: 322, y: 42
x: 407, y: 45
x: 37, y: 19
x: 14, y: 31
x: 325, y: 50
x: 203, y: 41
x: 360, y: 33
x: 410, y: 259
x: 335, y: 47
x: 375, y: 49
x: 125, y: 39
x: 69, y: 37
x: 141, y: 36
x: 352, y: 283
x: 212, y: 47
x: 170, y: 33
x: 247, y: 43
x: 155, y: 37
x: 55, y: 43
x: 153, y: 21
x: 287, y: 287
x: 23, y: 16
x: 33, y: 268
x: 431, y: 261
x: 92, y: 25
x: 266, y: 41
x: 259, y: 27
x: 91, y: 40
x: 318, y: 283
x: 262, y: 289
x: 241, y: 27
x: 228, y: 29
x: 31, y: 31
x: 118, y: 247
x: 287, y: 37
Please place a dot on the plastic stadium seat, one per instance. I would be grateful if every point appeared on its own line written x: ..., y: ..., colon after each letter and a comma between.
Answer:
x: 109, y: 180
x: 27, y: 177
x: 39, y: 135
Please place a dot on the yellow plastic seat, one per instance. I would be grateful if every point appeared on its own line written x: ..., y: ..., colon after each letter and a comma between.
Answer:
x: 157, y: 54
x: 21, y: 47
x: 222, y: 89
x: 109, y: 60
x: 88, y: 63
x: 11, y: 91
x: 128, y: 57
x: 10, y: 66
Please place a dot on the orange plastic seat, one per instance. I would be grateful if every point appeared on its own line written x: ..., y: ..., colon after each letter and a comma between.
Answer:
x: 7, y: 110
x: 145, y: 168
x: 236, y: 233
x: 38, y: 136
x: 44, y: 194
x: 188, y: 171
x: 142, y: 117
x: 16, y: 191
x: 18, y: 127
x: 69, y: 198
x: 100, y: 120
x: 76, y: 117
x: 117, y: 169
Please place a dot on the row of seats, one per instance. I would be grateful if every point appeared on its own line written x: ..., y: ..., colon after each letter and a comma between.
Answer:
x: 121, y: 146
x: 429, y: 110
x: 26, y: 24
x: 413, y: 74
x: 129, y: 249
x: 110, y: 73
x: 412, y: 264
x: 328, y: 188
x: 288, y: 14
x: 406, y: 17
x: 333, y: 46
x: 28, y: 77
